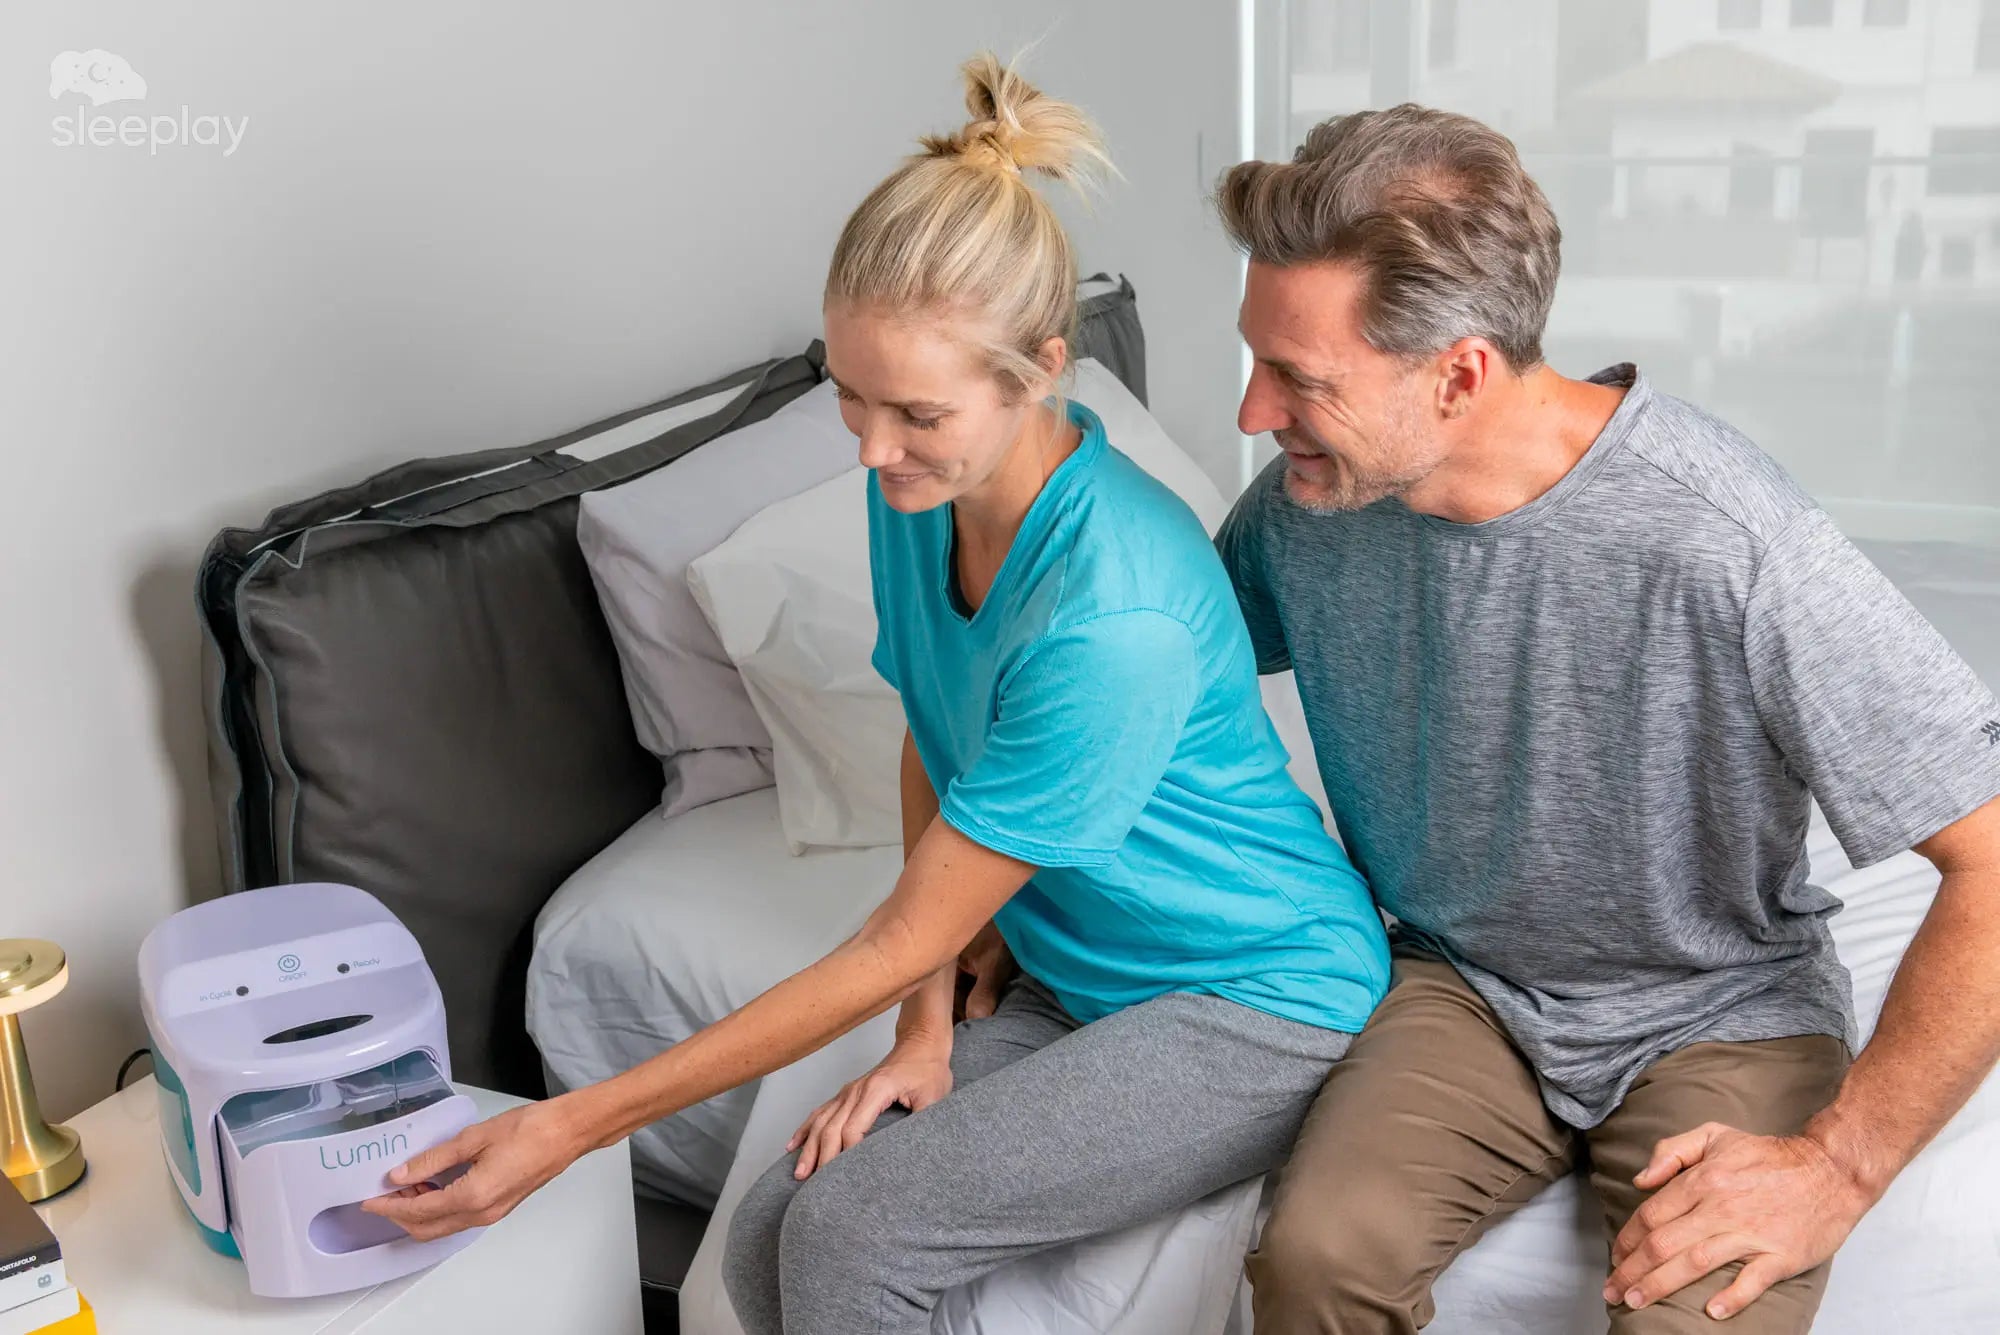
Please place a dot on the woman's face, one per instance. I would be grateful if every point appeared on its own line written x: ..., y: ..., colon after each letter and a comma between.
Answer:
x: 919, y: 396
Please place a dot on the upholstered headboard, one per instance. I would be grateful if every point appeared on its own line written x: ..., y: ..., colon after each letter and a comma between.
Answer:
x: 410, y: 687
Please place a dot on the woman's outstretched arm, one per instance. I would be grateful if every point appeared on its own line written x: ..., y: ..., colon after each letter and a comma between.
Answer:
x: 917, y: 1070
x: 949, y: 888
x: 926, y: 1016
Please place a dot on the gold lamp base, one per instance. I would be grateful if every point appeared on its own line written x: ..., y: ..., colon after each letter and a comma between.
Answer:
x: 40, y: 1159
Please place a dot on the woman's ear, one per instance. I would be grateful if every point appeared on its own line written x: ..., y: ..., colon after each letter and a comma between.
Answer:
x: 1053, y: 356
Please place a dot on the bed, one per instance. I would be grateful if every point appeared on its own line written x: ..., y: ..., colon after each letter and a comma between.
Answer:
x: 424, y: 699
x: 682, y: 919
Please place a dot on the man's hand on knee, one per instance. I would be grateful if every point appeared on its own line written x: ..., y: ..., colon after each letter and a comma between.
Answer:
x: 1779, y: 1204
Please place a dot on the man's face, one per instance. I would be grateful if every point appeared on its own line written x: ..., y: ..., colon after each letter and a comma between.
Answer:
x: 1356, y: 425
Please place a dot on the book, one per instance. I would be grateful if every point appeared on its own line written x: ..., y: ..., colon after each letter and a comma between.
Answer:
x: 84, y: 1322
x: 31, y: 1265
x: 52, y: 1311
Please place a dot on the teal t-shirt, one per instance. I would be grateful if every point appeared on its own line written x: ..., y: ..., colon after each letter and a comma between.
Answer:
x: 1098, y: 716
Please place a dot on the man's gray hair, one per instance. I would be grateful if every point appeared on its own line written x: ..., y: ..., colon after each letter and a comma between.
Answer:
x: 1450, y: 235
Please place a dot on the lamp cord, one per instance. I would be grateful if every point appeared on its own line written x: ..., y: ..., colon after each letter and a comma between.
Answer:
x: 126, y: 1065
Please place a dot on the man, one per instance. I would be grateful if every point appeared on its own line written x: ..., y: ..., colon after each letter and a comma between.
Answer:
x: 1574, y: 654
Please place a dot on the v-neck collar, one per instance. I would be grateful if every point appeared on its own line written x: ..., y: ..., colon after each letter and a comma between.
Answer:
x: 1047, y: 503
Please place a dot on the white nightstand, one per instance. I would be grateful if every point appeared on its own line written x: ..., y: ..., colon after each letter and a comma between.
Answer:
x: 566, y: 1260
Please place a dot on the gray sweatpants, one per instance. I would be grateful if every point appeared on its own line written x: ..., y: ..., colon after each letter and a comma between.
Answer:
x: 1053, y: 1131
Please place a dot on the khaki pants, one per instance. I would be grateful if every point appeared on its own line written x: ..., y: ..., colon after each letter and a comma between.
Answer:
x: 1432, y: 1128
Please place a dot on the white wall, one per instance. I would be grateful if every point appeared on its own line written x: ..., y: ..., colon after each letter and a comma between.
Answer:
x: 448, y: 226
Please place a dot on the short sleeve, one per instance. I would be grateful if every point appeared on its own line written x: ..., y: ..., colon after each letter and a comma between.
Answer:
x: 1086, y: 726
x: 1240, y: 544
x: 1891, y: 730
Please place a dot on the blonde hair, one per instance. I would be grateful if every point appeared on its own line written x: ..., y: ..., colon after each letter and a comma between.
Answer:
x: 958, y: 230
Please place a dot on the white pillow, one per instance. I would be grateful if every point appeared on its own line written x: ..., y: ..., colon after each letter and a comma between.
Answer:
x: 688, y: 705
x: 788, y: 595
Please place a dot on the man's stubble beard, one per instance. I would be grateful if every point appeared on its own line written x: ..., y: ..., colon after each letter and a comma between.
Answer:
x: 1353, y: 488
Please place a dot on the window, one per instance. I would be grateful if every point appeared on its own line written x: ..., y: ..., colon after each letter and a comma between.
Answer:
x: 1740, y: 14
x: 1443, y: 45
x: 1330, y: 36
x: 1955, y: 257
x: 1753, y: 183
x: 1833, y: 183
x: 1836, y: 294
x: 1965, y: 160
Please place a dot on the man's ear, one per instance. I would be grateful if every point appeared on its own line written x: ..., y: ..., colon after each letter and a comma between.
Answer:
x: 1462, y: 372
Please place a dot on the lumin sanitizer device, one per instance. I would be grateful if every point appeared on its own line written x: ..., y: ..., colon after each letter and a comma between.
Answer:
x: 299, y: 1047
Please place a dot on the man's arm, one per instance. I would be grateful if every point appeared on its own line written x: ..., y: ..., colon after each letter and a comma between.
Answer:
x: 1783, y: 1204
x: 1939, y: 1034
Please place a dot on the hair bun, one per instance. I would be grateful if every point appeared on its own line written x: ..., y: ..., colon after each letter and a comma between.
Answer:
x: 1016, y: 128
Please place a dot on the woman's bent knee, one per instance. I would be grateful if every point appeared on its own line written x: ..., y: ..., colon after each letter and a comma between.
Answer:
x: 823, y: 1227
x: 750, y: 1254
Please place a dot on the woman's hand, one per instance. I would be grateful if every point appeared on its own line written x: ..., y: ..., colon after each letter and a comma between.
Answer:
x: 506, y: 1157
x: 913, y: 1075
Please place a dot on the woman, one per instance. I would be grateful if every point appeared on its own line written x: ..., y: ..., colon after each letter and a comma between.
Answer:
x: 1087, y: 767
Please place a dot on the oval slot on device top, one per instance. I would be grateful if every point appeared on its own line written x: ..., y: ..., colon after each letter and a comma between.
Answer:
x: 317, y: 1028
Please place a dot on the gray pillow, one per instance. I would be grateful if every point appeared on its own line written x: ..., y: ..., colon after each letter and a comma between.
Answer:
x: 409, y: 687
x: 1108, y: 328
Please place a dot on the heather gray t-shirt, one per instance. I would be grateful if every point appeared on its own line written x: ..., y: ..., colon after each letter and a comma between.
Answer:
x: 1571, y: 747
